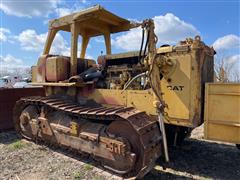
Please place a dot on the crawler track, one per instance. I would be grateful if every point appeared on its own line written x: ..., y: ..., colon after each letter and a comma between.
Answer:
x: 130, y: 124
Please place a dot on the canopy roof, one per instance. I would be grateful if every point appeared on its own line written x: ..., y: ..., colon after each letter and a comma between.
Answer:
x: 93, y: 21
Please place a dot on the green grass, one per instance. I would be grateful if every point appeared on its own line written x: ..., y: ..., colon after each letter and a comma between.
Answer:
x: 88, y: 167
x: 17, y: 145
x: 77, y: 175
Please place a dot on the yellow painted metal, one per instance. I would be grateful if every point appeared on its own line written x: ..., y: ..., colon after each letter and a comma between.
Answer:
x: 94, y: 19
x: 142, y: 100
x: 74, y: 47
x: 74, y: 128
x: 222, y: 112
x: 61, y: 84
x: 85, y: 40
x: 107, y: 38
x: 179, y: 100
x: 34, y: 73
x: 41, y: 70
x: 182, y: 83
x: 57, y: 69
x: 111, y: 97
x: 181, y: 90
x: 50, y: 37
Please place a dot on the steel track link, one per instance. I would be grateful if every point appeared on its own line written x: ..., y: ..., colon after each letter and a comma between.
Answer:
x: 147, y: 130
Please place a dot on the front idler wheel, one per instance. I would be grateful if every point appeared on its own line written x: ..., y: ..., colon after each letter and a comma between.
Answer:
x: 23, y: 122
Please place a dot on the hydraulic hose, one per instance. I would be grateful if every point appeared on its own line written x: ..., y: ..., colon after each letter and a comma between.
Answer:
x: 140, y: 52
x: 135, y: 77
x: 145, y: 48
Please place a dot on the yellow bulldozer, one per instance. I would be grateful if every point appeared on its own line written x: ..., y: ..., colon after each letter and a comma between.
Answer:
x: 125, y: 109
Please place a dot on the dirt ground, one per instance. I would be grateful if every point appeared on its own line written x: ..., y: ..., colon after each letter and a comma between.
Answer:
x: 195, y: 159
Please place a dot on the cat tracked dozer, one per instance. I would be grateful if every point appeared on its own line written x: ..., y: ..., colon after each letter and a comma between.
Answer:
x: 124, y: 108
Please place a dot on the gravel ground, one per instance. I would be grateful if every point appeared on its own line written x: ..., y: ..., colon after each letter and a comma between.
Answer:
x: 195, y: 159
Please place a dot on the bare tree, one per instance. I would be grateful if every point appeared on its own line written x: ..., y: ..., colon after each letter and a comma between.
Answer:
x: 223, y: 71
x: 236, y: 75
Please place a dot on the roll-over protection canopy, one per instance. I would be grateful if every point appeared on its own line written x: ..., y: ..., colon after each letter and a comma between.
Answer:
x: 93, y: 21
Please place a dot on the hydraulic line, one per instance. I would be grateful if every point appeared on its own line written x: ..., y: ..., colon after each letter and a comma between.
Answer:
x: 140, y: 52
x: 145, y: 48
x: 135, y: 77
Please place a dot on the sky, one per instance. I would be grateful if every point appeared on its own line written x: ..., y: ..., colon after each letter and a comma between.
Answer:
x: 24, y: 26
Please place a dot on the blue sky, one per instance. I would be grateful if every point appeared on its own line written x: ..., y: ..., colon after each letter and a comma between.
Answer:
x: 24, y: 26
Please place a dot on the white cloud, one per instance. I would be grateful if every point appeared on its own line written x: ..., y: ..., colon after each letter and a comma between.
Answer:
x: 233, y: 59
x: 29, y: 8
x: 9, y: 59
x: 4, y: 34
x: 228, y: 48
x: 63, y: 11
x: 99, y: 39
x: 60, y: 46
x: 227, y: 42
x: 134, y: 20
x: 232, y: 65
x: 31, y: 41
x: 128, y: 41
x: 38, y: 8
x: 169, y: 29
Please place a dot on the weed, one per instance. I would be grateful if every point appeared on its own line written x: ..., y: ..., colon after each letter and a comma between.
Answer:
x: 77, y: 175
x: 88, y: 167
x: 17, y: 145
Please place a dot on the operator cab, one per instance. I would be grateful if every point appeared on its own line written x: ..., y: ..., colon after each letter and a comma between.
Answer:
x: 91, y: 22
